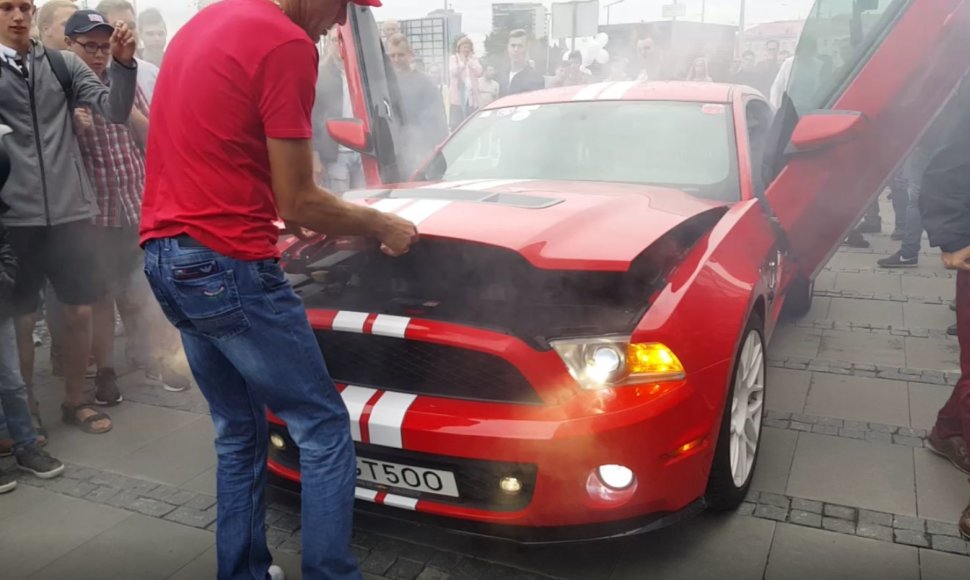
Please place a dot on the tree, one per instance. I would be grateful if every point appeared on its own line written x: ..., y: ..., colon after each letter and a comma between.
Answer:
x: 496, y: 47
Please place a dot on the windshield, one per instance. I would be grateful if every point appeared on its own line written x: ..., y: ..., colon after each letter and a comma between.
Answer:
x: 684, y: 145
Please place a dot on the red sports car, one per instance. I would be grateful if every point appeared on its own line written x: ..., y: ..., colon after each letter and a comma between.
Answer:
x: 576, y: 348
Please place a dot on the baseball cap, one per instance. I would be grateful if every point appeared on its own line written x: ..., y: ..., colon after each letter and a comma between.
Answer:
x: 85, y: 21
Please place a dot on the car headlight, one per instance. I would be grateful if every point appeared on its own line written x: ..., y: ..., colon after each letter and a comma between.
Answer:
x: 599, y: 363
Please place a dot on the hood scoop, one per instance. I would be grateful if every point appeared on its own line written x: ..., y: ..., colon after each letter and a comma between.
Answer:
x: 516, y: 200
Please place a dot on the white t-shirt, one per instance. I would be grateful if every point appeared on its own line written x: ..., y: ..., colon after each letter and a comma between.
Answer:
x: 8, y: 55
x: 147, y: 77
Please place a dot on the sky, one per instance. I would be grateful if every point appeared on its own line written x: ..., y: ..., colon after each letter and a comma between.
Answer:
x: 477, y: 13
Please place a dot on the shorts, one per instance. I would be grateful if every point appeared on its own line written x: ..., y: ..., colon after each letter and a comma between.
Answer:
x: 64, y: 254
x: 120, y: 258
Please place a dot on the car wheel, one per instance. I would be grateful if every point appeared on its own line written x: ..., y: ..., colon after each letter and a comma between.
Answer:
x: 799, y: 296
x: 740, y: 436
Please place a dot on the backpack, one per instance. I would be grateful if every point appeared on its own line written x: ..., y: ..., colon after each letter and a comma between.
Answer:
x: 59, y: 67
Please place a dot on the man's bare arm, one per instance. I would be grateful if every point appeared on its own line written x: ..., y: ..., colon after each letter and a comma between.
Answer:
x: 302, y: 202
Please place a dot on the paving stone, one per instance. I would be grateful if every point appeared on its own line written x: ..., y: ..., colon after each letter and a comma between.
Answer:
x: 151, y: 507
x: 838, y: 525
x: 874, y: 532
x: 272, y: 516
x: 161, y: 493
x: 190, y: 517
x: 825, y: 430
x: 807, y: 505
x: 942, y: 529
x: 860, y: 425
x: 122, y: 499
x: 102, y: 494
x: 774, y: 499
x: 73, y: 487
x: 78, y: 472
x: 444, y: 560
x: 378, y: 562
x: 910, y: 432
x: 804, y: 427
x: 431, y: 573
x: 291, y: 546
x: 877, y: 437
x: 881, y: 428
x: 852, y: 433
x: 771, y: 512
x: 182, y: 497
x: 803, y: 418
x: 360, y: 552
x: 746, y: 508
x: 805, y: 519
x: 200, y: 502
x: 472, y: 569
x: 830, y: 422
x: 781, y: 416
x: 950, y: 544
x: 909, y: 523
x: 275, y: 537
x: 405, y: 569
x: 911, y: 538
x: 288, y: 523
x: 877, y: 518
x: 916, y: 442
x: 776, y: 423
x: 841, y: 512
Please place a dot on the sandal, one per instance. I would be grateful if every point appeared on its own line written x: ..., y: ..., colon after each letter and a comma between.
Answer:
x: 69, y: 416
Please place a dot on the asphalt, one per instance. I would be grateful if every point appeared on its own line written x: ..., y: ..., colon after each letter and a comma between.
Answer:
x: 845, y: 487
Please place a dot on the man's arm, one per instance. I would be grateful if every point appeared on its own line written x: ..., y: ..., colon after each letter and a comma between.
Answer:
x: 303, y: 203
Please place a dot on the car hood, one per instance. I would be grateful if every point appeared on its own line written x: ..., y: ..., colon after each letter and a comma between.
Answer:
x: 553, y: 224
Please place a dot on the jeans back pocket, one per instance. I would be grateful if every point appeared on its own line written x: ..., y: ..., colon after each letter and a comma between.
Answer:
x: 208, y: 297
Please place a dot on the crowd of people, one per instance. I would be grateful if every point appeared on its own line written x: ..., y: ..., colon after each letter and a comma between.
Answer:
x: 92, y: 225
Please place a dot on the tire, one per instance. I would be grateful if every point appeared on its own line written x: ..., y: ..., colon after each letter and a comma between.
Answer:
x: 726, y: 486
x: 799, y: 297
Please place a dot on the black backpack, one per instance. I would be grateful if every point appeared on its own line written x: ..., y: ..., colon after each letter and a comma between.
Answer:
x: 59, y: 66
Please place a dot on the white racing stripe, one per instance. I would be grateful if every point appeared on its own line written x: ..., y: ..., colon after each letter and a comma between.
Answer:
x: 365, y: 494
x: 391, y: 205
x: 422, y: 210
x: 449, y: 184
x: 355, y: 398
x: 347, y: 321
x: 393, y: 326
x: 589, y: 92
x: 492, y: 184
x: 400, y: 501
x: 616, y: 91
x: 387, y: 418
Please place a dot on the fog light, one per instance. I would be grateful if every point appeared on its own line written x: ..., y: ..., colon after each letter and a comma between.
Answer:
x: 615, y: 476
x: 277, y: 441
x: 510, y: 485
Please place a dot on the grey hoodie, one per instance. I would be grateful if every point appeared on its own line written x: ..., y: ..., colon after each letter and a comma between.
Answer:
x: 48, y: 184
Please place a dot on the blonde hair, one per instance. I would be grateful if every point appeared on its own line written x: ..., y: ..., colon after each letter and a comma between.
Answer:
x: 464, y: 40
x: 46, y: 13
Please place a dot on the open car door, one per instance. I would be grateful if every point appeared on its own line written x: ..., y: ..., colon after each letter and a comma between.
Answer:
x: 377, y: 129
x: 867, y: 80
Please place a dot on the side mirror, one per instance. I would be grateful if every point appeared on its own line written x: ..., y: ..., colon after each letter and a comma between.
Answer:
x: 350, y: 133
x: 824, y: 129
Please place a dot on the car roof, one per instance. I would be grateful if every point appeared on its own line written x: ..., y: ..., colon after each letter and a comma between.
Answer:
x: 702, y: 92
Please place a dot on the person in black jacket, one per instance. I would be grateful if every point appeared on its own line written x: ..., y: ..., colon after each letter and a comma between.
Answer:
x: 13, y: 391
x: 945, y: 209
x: 520, y: 76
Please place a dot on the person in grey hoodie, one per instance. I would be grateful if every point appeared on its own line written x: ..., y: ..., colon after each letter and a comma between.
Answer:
x: 50, y: 200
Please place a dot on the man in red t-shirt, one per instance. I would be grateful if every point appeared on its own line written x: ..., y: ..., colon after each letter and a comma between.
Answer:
x: 229, y: 152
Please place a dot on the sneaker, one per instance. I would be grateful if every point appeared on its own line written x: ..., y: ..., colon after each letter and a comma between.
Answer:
x: 954, y: 449
x: 8, y: 482
x: 855, y: 240
x: 107, y: 393
x: 898, y: 261
x: 35, y: 460
x: 159, y: 375
x: 952, y: 330
x: 869, y: 227
x: 38, y: 339
x: 276, y: 573
x: 897, y: 235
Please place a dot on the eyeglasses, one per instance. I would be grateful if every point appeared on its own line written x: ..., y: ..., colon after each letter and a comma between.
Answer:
x: 94, y: 47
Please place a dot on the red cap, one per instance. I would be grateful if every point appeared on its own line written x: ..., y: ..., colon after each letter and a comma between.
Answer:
x: 372, y: 3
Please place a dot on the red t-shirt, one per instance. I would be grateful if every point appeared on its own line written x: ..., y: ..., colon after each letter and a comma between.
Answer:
x: 239, y: 72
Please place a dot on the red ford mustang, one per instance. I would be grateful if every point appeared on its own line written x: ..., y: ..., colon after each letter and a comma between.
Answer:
x: 576, y: 348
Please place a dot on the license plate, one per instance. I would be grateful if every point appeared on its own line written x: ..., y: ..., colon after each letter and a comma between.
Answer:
x: 406, y: 477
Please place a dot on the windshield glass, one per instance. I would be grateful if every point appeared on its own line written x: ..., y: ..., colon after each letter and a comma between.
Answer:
x: 683, y: 145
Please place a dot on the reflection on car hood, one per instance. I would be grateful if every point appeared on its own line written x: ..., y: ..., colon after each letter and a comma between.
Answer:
x: 553, y: 224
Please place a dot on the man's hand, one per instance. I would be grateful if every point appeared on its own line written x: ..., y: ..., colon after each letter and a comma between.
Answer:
x: 123, y: 44
x: 397, y: 235
x: 298, y: 231
x: 957, y: 260
x: 83, y: 121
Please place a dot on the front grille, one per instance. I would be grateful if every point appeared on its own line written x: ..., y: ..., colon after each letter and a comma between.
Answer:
x: 423, y: 368
x: 477, y: 480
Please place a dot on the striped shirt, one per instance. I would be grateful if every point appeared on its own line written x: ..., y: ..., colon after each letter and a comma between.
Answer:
x: 116, y: 165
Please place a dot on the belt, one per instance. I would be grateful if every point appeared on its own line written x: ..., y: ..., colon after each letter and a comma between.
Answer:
x: 187, y: 241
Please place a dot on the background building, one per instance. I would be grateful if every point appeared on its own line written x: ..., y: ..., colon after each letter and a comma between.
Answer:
x: 530, y: 16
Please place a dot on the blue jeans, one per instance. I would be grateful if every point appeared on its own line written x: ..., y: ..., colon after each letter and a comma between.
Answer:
x: 250, y: 346
x: 13, y: 391
x: 913, y: 228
